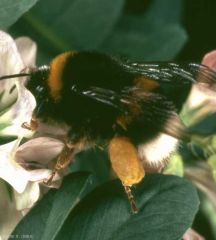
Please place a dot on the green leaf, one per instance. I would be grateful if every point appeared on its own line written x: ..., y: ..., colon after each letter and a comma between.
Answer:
x: 11, y: 10
x: 212, y: 165
x: 190, y: 116
x: 96, y: 24
x: 159, y: 44
x: 160, y: 11
x: 65, y: 25
x: 90, y: 21
x: 167, y: 205
x: 95, y: 161
x: 210, y: 213
x: 65, y: 200
x: 153, y: 36
x: 206, y: 126
x: 46, y: 218
x: 175, y: 165
x: 35, y: 221
x: 167, y: 11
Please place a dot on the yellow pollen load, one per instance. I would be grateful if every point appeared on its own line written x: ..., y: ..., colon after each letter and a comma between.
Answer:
x: 54, y: 80
x: 125, y: 161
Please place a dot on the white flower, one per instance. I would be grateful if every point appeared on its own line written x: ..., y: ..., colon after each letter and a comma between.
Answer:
x: 9, y: 214
x: 12, y: 63
x: 16, y: 161
x: 20, y: 111
x: 192, y: 235
x: 11, y: 92
x: 202, y: 98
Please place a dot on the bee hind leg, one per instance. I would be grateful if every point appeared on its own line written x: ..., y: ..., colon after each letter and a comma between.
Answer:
x: 131, y: 199
x: 127, y: 165
x: 64, y: 159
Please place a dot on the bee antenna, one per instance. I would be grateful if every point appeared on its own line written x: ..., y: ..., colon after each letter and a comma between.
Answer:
x: 14, y: 76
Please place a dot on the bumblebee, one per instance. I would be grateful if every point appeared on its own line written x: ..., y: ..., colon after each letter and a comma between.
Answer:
x: 132, y: 107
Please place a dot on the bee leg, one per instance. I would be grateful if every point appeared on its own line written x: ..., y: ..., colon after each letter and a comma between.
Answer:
x: 131, y: 199
x: 63, y: 161
x: 32, y: 125
x: 126, y: 164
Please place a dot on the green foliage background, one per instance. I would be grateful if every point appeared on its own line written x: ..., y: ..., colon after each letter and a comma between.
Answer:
x: 104, y: 26
x: 93, y: 207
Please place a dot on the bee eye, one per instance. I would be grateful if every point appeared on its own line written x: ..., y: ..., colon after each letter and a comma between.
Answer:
x: 74, y: 88
x: 39, y: 88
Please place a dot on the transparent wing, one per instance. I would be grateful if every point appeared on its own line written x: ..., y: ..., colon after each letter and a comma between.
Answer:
x: 175, y: 81
x: 174, y: 73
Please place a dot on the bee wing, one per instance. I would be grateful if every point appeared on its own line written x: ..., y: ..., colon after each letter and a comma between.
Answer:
x: 132, y: 99
x: 121, y: 101
x: 105, y: 96
x: 175, y: 80
x: 173, y: 73
x: 171, y: 77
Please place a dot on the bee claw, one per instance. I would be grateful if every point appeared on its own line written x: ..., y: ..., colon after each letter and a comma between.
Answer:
x: 49, y: 180
x: 62, y: 162
x: 131, y: 199
x: 26, y: 125
x: 32, y: 126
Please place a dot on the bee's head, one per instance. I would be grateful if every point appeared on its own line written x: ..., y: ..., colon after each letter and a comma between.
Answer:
x: 46, y: 81
x: 37, y: 82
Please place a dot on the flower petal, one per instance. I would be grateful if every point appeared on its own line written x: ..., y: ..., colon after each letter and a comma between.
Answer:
x: 27, y: 199
x: 22, y: 109
x: 9, y: 216
x: 210, y: 60
x: 17, y: 176
x: 10, y: 63
x: 27, y: 49
x: 42, y: 174
x: 19, y: 113
x: 201, y: 95
x: 192, y: 235
x: 10, y: 171
x: 41, y: 150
